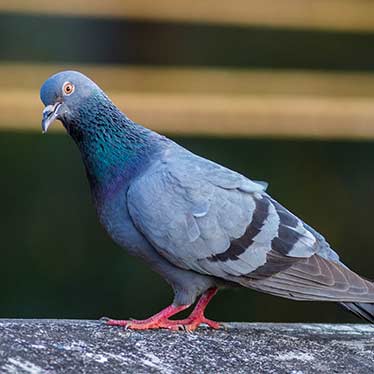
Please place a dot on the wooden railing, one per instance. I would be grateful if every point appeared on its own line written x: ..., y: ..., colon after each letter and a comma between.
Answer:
x: 193, y: 100
x: 205, y: 101
x: 342, y: 15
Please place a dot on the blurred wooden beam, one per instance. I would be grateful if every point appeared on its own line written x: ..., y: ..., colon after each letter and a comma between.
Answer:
x: 353, y: 15
x: 214, y: 102
x: 199, y: 80
x: 235, y: 115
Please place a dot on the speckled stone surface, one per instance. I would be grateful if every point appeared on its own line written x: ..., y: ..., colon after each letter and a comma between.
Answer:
x: 70, y: 346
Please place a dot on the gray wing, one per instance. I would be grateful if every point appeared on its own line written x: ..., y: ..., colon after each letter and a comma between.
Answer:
x: 209, y: 219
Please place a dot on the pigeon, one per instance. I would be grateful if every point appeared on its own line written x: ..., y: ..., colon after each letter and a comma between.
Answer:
x: 200, y: 225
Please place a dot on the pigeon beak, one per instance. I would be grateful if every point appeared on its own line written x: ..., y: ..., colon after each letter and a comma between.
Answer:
x: 50, y: 113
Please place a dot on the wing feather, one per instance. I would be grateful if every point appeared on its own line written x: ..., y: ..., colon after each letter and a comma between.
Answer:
x: 203, y: 217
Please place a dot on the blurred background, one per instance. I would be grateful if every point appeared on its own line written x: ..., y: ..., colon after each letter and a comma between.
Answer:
x: 279, y: 90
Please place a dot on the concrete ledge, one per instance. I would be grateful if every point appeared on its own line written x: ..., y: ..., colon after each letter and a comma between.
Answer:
x: 70, y: 346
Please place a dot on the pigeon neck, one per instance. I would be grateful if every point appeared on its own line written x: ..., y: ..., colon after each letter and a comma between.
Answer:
x: 112, y: 146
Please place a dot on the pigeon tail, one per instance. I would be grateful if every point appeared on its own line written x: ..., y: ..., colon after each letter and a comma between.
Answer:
x: 317, y: 278
x: 362, y: 310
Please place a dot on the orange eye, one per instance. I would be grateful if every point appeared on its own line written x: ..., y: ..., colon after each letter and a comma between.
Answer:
x: 68, y: 88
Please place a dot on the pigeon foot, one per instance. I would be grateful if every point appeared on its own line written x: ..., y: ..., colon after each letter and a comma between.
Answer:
x: 158, y: 321
x: 197, y: 316
x: 188, y: 324
x: 161, y: 320
x: 191, y: 324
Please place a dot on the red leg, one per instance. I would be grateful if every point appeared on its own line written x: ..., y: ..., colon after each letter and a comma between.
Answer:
x: 197, y: 316
x: 159, y: 320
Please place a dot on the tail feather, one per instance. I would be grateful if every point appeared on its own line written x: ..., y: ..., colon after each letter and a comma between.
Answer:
x: 316, y: 278
x: 362, y: 310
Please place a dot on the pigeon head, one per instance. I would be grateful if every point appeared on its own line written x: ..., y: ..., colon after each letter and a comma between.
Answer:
x: 63, y: 94
x: 107, y: 139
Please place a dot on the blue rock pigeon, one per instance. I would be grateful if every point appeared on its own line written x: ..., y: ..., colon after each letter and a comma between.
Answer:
x: 198, y: 224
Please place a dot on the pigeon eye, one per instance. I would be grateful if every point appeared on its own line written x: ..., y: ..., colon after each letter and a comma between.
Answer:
x: 68, y: 88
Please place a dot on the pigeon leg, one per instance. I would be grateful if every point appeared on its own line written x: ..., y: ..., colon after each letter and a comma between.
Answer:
x: 197, y: 316
x: 159, y: 320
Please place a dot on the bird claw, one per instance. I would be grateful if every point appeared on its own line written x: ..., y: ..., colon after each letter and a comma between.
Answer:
x: 161, y: 320
x: 172, y: 325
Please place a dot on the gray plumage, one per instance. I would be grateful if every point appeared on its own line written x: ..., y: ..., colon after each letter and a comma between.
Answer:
x: 197, y: 223
x: 203, y: 217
